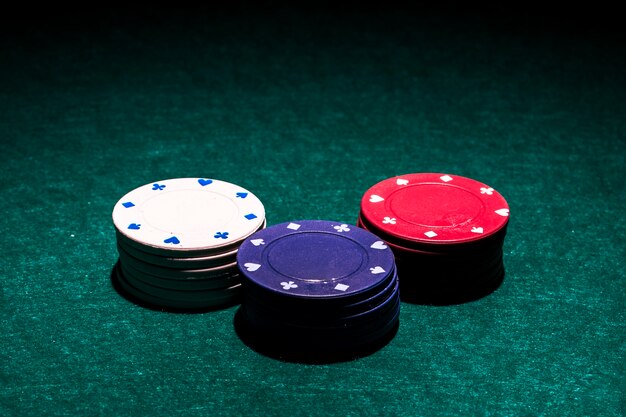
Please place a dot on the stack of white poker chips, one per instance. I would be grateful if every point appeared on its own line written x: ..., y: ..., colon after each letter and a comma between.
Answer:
x: 178, y: 239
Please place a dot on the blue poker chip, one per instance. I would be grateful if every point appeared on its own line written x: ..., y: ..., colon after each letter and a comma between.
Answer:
x: 315, y: 259
x: 307, y: 314
x: 353, y: 324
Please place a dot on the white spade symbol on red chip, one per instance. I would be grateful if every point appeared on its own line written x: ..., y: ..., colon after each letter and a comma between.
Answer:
x: 477, y: 230
x: 375, y: 198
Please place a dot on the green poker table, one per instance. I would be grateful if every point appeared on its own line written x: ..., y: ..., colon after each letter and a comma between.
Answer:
x: 308, y: 108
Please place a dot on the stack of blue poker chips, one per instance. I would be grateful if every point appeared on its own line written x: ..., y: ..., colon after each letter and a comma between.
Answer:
x: 317, y: 290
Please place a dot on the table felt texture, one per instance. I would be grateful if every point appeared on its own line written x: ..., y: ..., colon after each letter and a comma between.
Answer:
x: 308, y: 110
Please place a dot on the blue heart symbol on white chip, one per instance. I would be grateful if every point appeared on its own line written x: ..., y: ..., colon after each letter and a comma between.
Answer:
x: 377, y: 270
x: 379, y: 244
x: 241, y: 195
x: 251, y: 267
x: 204, y: 182
x: 257, y: 242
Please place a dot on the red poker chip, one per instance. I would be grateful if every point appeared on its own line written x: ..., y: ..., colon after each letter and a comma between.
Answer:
x: 438, y: 209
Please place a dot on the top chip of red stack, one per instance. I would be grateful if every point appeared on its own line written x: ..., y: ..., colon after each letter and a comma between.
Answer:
x: 435, y: 208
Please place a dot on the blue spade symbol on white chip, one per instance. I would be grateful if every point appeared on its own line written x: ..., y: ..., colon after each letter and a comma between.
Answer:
x: 173, y: 240
x: 134, y: 226
x: 241, y: 195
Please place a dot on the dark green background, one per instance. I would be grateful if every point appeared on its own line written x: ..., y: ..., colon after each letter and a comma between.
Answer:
x: 308, y: 109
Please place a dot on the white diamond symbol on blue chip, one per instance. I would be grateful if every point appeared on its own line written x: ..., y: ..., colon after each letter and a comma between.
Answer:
x: 293, y: 226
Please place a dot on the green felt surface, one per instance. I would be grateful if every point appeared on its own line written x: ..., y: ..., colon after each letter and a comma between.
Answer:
x: 308, y: 113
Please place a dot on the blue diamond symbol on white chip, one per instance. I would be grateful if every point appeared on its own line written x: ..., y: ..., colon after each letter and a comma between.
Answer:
x: 430, y: 234
x: 293, y: 226
x: 341, y: 287
x: 250, y: 216
x: 128, y: 204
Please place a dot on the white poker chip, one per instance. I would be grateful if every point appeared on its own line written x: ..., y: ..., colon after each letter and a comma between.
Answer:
x: 188, y: 215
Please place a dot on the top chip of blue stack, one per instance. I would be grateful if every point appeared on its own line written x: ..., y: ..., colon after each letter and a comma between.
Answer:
x: 316, y: 259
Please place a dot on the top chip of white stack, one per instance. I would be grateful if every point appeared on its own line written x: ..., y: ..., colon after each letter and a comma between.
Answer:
x: 188, y: 214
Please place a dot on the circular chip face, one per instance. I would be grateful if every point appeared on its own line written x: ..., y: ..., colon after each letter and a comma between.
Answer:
x: 188, y: 214
x: 435, y: 208
x: 315, y: 259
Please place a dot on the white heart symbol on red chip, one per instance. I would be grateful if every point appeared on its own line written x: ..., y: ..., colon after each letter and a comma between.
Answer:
x: 503, y: 212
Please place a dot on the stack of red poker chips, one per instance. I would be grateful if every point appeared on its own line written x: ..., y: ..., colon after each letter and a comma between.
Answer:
x: 446, y: 232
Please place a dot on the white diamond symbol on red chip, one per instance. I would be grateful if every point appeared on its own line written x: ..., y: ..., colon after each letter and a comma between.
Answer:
x: 445, y: 178
x: 341, y: 287
x: 293, y: 226
x: 430, y: 234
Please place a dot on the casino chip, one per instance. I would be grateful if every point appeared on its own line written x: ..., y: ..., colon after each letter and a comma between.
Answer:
x: 446, y: 232
x: 178, y: 239
x: 317, y: 290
